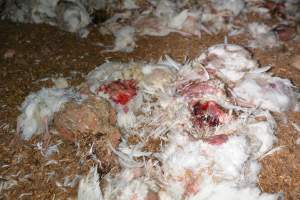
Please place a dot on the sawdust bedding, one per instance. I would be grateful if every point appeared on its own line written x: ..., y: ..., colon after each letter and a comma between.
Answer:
x: 136, y: 122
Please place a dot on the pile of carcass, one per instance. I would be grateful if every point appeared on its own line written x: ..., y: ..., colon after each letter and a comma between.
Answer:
x: 133, y: 18
x: 211, y: 117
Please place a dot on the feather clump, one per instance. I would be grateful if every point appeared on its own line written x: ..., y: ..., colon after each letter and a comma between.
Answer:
x: 89, y: 186
x: 231, y: 62
x: 268, y: 92
x: 262, y: 36
x: 38, y: 110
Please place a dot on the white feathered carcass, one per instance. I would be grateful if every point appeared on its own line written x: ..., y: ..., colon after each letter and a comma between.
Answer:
x: 268, y: 92
x: 69, y: 15
x: 262, y: 36
x: 38, y: 110
x: 230, y: 62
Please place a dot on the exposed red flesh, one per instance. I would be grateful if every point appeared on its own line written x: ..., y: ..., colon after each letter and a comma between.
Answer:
x: 285, y: 32
x: 120, y: 91
x: 217, y: 139
x: 196, y: 89
x: 207, y: 114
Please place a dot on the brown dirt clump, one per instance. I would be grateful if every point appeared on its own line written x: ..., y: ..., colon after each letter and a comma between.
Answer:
x: 92, y: 121
x: 153, y: 145
x: 133, y: 139
x: 92, y: 116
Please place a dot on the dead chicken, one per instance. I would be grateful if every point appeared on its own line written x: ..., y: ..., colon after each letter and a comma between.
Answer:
x: 265, y: 91
x: 73, y: 17
x: 38, y: 110
x: 230, y: 62
x: 92, y: 121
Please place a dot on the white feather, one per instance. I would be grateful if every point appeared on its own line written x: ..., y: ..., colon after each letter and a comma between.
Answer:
x: 274, y: 150
x: 229, y: 191
x: 89, y: 186
x: 124, y: 40
x: 126, y: 119
x: 264, y: 137
x: 178, y: 20
x: 7, y: 184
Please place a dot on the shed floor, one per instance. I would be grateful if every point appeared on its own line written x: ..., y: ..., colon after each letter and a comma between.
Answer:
x: 43, y: 51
